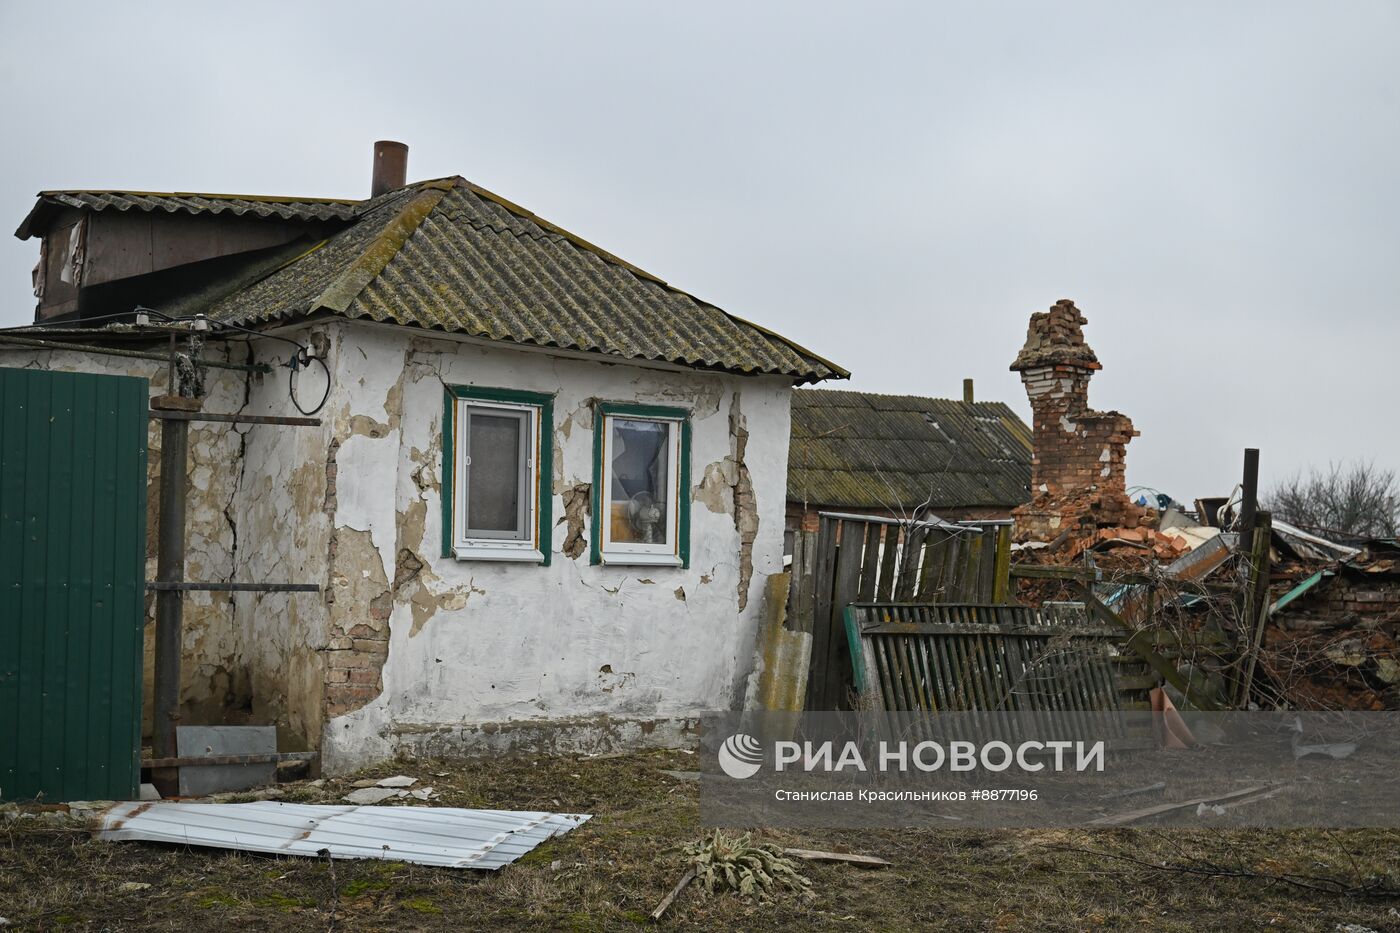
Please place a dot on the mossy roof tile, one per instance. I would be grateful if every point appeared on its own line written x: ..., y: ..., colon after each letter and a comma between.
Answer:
x: 865, y: 450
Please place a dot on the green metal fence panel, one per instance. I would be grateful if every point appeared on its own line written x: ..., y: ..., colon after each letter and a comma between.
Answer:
x: 72, y: 583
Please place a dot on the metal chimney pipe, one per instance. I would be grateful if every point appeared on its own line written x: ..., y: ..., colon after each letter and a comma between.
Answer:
x: 390, y: 167
x: 967, y: 391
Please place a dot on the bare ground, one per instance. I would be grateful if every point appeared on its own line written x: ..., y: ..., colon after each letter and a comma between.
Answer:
x: 610, y: 873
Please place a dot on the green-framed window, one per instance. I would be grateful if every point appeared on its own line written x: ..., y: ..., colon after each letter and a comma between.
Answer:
x: 641, y: 485
x: 497, y: 462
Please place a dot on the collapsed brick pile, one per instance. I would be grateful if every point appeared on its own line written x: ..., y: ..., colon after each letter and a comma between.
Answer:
x: 1338, y: 646
x: 1077, y: 471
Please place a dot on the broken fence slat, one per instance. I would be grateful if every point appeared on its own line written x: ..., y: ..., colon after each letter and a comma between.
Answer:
x: 1133, y: 816
x: 1219, y: 810
x: 674, y: 893
x: 814, y: 855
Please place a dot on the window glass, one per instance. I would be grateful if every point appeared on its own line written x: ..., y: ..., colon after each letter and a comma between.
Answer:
x: 494, y: 472
x: 639, y: 454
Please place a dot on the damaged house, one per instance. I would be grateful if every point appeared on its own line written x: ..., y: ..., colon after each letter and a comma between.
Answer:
x: 1242, y: 608
x: 543, y: 494
x: 901, y: 456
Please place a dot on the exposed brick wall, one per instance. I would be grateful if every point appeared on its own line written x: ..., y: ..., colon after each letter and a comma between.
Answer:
x: 1338, y: 645
x: 359, y: 603
x: 1378, y: 600
x: 355, y: 656
x: 1078, y: 465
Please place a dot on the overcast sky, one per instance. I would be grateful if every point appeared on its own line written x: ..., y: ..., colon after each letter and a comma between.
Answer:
x: 895, y: 186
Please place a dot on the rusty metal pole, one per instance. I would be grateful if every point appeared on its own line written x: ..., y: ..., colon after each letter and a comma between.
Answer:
x: 170, y: 568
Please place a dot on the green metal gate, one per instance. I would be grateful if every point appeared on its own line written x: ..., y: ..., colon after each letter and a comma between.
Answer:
x: 72, y: 581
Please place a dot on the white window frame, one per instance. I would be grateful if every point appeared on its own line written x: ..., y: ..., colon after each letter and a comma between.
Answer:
x: 526, y: 548
x: 668, y: 553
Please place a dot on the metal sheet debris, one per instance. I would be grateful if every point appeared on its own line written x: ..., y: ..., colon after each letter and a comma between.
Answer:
x: 447, y: 837
x: 217, y: 741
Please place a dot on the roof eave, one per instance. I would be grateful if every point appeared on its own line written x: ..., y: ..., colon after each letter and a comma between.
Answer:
x: 25, y: 230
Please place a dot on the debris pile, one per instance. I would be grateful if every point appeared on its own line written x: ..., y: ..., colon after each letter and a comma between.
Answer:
x: 371, y: 791
x: 1329, y: 637
x: 1336, y: 643
x: 1307, y: 622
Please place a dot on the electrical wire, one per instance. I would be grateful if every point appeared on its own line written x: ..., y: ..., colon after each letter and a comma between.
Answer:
x: 81, y: 324
x: 301, y: 359
x: 292, y: 387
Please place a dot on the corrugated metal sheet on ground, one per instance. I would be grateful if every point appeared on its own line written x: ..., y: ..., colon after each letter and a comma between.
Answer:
x: 446, y: 837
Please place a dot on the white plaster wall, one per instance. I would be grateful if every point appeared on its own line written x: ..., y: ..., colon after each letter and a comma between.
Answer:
x: 480, y: 653
x: 283, y: 535
x: 567, y: 644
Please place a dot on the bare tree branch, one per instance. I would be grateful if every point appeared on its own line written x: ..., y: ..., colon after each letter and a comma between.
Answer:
x: 1355, y: 499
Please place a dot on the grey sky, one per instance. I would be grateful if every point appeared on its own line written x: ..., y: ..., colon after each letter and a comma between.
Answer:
x: 896, y: 186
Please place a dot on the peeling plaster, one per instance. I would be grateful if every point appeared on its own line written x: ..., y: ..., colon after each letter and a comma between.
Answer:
x: 578, y: 503
x: 609, y: 681
x: 716, y: 489
x: 496, y: 653
x: 745, y: 503
x: 727, y: 488
x: 234, y: 669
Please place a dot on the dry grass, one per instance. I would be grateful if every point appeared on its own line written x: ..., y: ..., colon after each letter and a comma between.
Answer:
x: 610, y: 873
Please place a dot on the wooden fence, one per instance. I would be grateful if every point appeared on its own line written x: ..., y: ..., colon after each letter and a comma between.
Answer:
x: 954, y: 658
x: 856, y: 558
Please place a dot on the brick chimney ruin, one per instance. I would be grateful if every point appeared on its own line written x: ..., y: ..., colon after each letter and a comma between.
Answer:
x: 1077, y: 469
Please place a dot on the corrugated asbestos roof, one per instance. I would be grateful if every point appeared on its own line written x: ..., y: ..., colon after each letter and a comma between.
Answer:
x: 451, y: 256
x: 862, y: 450
x: 447, y: 837
x: 191, y: 203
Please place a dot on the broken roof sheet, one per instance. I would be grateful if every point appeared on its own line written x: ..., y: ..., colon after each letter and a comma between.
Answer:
x: 861, y: 449
x: 451, y: 256
x: 286, y: 208
x: 447, y: 837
